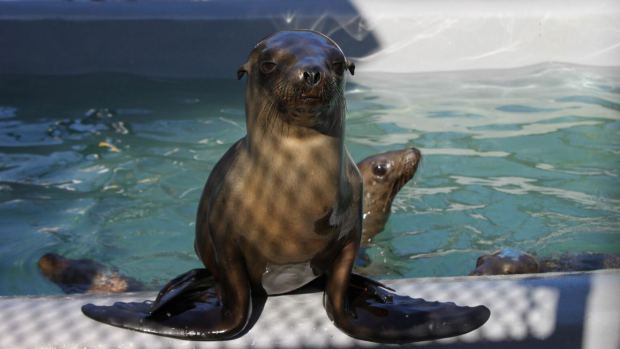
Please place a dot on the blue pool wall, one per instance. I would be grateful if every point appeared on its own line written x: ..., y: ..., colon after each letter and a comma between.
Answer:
x: 212, y: 38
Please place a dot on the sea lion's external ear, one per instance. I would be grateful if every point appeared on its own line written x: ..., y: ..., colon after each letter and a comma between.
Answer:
x: 351, y: 67
x: 241, y: 71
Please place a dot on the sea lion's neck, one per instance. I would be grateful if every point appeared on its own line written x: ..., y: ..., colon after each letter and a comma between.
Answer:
x: 267, y: 125
x: 273, y: 140
x: 273, y: 136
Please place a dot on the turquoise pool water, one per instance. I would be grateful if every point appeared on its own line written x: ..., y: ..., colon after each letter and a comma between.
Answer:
x: 111, y: 167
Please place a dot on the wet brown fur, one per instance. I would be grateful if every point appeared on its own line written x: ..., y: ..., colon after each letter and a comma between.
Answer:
x: 84, y: 275
x: 287, y: 197
x: 384, y: 176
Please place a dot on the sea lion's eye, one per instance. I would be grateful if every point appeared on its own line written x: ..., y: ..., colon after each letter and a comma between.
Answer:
x: 339, y: 67
x: 267, y: 67
x: 380, y: 169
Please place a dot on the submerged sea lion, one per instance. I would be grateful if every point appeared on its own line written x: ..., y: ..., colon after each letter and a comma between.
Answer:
x: 282, y: 207
x: 84, y: 275
x: 513, y: 261
x: 383, y: 174
x: 506, y: 261
x: 579, y: 262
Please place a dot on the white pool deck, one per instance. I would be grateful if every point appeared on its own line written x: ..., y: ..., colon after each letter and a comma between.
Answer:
x: 576, y: 310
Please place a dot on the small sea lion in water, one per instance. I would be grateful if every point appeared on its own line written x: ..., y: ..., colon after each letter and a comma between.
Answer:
x: 579, y: 262
x: 282, y: 207
x: 84, y: 275
x: 383, y: 174
x: 513, y: 261
x: 506, y: 261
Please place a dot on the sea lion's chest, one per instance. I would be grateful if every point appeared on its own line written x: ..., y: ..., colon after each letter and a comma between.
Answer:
x: 284, y: 193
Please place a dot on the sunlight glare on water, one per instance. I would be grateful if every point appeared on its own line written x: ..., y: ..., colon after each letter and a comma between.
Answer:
x: 111, y: 167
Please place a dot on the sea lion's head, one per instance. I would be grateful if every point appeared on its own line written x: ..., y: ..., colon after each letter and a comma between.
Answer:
x: 72, y: 275
x: 296, y: 78
x: 53, y: 265
x: 384, y: 175
x: 506, y: 261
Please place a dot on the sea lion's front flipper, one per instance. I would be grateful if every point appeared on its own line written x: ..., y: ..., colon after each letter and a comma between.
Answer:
x: 367, y: 310
x: 191, y: 285
x: 191, y: 320
x: 187, y: 307
x: 379, y: 314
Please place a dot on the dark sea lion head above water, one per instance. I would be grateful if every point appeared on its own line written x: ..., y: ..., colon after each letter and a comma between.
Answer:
x: 384, y: 176
x: 282, y: 207
x: 84, y: 275
x: 71, y: 275
x: 512, y: 261
x: 506, y: 261
x: 296, y: 78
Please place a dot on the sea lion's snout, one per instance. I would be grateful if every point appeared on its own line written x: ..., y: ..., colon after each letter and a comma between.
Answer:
x: 314, y: 80
x: 311, y: 76
x: 411, y: 161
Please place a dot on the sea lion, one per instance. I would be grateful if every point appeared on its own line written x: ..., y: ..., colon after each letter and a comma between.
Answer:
x: 579, y: 262
x: 282, y: 207
x: 84, y: 275
x: 513, y: 261
x: 383, y: 175
x: 506, y: 261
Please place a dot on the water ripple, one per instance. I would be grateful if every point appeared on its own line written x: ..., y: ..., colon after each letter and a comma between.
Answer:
x: 524, y: 186
x: 526, y: 158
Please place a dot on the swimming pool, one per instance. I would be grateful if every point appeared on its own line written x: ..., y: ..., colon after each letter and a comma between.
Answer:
x: 113, y: 113
x: 111, y: 166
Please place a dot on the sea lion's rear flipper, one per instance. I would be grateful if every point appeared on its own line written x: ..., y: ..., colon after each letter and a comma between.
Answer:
x: 187, y: 307
x: 378, y: 314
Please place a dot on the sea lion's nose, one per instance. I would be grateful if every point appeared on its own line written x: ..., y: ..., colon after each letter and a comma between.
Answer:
x: 311, y: 76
